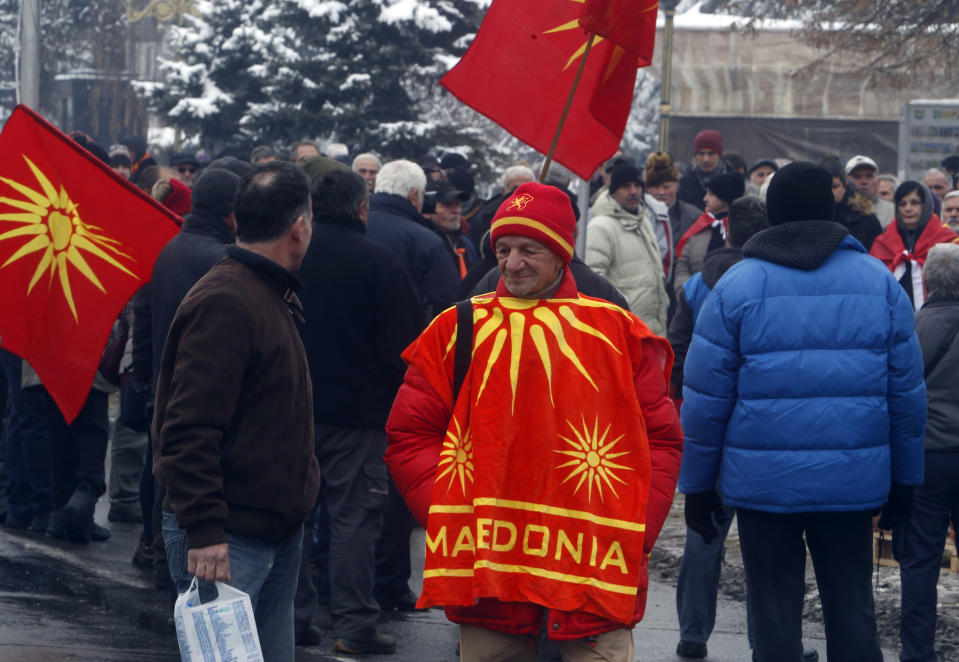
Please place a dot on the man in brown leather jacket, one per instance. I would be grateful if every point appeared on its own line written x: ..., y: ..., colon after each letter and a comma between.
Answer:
x: 233, y: 422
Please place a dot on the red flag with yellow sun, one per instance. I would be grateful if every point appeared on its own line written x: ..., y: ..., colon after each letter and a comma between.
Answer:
x: 520, y: 69
x: 76, y: 241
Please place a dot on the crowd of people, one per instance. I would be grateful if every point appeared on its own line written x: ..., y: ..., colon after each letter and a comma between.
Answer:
x: 334, y: 349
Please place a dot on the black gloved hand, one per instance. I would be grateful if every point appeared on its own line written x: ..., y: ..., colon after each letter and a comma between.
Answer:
x: 898, y: 507
x: 704, y: 511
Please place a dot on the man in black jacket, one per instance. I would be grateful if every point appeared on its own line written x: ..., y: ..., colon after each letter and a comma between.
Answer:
x: 361, y: 311
x: 201, y: 243
x: 208, y: 229
x: 396, y: 222
x: 707, y: 163
x: 918, y: 544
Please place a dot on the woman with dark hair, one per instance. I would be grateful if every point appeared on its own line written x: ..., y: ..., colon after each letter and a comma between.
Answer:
x: 904, y: 244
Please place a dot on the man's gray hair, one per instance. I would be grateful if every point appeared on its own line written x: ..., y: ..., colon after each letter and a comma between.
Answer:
x: 942, y: 270
x: 558, y: 175
x: 400, y: 178
x: 366, y: 155
x: 892, y: 179
x: 516, y: 171
x: 950, y: 195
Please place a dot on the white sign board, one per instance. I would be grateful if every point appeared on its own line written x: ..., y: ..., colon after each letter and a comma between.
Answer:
x: 928, y: 133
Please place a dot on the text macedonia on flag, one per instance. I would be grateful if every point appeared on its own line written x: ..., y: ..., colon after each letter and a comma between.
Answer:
x: 628, y: 23
x: 76, y: 241
x: 519, y: 71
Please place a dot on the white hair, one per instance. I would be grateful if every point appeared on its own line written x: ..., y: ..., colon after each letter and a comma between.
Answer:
x: 337, y: 149
x: 892, y: 179
x: 516, y: 171
x: 400, y: 178
x: 558, y: 174
x: 942, y: 270
x: 366, y: 155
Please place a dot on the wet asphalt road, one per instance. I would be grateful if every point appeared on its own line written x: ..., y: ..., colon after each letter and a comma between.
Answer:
x: 63, y: 602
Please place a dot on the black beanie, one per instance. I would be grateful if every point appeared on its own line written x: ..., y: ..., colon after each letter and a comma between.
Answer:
x: 800, y: 191
x: 213, y: 192
x: 623, y: 174
x: 727, y: 186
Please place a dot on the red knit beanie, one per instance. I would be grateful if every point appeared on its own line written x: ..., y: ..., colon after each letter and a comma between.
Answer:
x: 708, y: 139
x: 179, y: 199
x: 540, y: 212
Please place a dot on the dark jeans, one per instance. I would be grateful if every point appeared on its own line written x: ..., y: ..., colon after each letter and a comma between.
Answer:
x: 918, y: 546
x: 393, y: 549
x: 28, y: 460
x: 353, y: 497
x: 698, y: 584
x: 774, y: 558
x: 80, y: 448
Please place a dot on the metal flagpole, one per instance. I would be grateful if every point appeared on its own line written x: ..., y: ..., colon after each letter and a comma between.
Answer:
x: 29, y: 88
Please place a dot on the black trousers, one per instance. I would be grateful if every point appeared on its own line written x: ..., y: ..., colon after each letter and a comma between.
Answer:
x: 774, y: 558
x: 79, y: 449
x: 352, y: 499
x: 393, y: 568
x: 918, y: 546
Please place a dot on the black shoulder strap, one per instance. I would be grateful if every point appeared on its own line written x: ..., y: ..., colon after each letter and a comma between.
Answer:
x: 464, y: 344
x: 940, y: 352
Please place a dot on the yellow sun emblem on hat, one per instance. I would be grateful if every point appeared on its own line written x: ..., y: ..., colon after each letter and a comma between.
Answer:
x: 592, y: 460
x: 456, y: 458
x: 52, y: 219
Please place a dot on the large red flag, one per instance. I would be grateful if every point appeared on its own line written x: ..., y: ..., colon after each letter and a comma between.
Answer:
x: 629, y: 23
x: 76, y: 241
x: 519, y: 71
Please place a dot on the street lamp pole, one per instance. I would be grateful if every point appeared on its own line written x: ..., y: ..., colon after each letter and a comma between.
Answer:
x: 29, y: 89
x: 669, y: 7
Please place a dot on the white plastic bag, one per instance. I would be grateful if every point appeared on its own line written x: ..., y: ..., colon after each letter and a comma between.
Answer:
x: 222, y: 630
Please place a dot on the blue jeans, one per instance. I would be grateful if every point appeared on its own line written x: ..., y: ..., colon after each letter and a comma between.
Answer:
x: 267, y: 571
x: 28, y: 462
x: 698, y: 583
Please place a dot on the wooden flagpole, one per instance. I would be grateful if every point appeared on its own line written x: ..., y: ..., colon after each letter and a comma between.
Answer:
x: 569, y: 102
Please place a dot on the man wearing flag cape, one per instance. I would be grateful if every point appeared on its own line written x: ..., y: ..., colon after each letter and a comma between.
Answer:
x: 534, y: 439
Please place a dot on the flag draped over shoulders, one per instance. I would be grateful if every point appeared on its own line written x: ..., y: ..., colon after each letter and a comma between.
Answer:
x: 543, y: 480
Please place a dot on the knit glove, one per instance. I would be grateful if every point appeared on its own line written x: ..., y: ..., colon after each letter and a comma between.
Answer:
x: 898, y: 507
x: 704, y: 511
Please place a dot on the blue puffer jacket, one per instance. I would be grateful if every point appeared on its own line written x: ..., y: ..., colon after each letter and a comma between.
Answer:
x: 803, y: 383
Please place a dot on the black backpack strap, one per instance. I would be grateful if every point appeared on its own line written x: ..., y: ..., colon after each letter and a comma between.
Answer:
x: 464, y: 344
x: 940, y: 352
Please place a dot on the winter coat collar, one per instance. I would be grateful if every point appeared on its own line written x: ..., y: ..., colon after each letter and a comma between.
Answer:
x: 390, y: 203
x: 940, y: 301
x: 606, y: 206
x: 281, y: 277
x: 800, y: 244
x: 208, y: 226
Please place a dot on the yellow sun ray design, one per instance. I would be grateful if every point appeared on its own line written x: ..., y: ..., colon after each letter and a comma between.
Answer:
x: 546, y: 330
x: 614, y: 58
x: 592, y: 460
x: 456, y: 458
x: 52, y: 219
